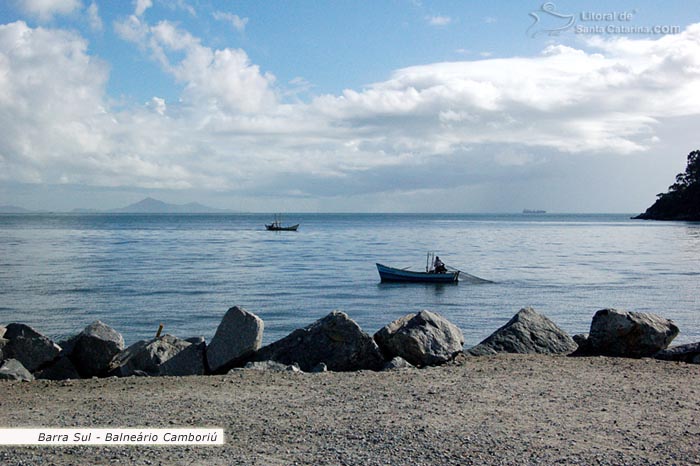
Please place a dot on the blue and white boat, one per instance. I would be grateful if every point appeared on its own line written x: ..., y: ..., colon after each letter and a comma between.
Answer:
x: 390, y: 274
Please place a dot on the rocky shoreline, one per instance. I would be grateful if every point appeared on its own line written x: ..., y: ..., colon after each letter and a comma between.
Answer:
x: 333, y: 343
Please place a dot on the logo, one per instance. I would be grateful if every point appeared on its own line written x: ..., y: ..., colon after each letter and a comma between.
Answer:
x: 547, y: 20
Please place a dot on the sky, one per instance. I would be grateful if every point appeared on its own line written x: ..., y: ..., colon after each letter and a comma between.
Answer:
x: 347, y: 106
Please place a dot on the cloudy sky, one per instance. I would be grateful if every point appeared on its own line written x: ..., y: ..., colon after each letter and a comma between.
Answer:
x: 370, y: 106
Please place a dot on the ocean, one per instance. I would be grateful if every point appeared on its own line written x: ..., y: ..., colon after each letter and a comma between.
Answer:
x: 59, y: 272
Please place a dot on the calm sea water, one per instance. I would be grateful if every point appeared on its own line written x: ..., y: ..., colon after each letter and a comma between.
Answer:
x: 58, y: 273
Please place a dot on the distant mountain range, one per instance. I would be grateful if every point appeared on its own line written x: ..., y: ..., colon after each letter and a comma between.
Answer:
x: 154, y: 206
x: 145, y: 206
x: 10, y: 209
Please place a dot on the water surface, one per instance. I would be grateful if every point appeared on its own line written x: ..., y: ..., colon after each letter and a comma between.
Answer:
x: 59, y: 272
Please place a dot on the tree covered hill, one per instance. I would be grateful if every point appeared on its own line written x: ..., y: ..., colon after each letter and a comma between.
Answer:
x: 682, y: 201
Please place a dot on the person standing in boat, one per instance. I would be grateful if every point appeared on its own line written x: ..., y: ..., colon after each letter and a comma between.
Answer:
x: 439, y: 266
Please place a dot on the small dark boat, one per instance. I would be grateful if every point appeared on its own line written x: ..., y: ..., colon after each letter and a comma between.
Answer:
x: 390, y: 274
x: 276, y: 225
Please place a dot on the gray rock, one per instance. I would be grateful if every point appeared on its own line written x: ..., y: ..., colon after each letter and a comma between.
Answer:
x: 272, y: 366
x: 630, y: 334
x: 189, y: 361
x: 2, y: 331
x: 29, y: 347
x: 423, y: 339
x: 60, y: 369
x: 12, y: 369
x: 93, y: 349
x: 238, y: 336
x: 398, y: 363
x: 335, y: 340
x: 689, y: 353
x: 530, y: 332
x: 147, y: 356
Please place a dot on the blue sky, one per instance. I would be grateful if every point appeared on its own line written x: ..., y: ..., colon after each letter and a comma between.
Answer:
x: 346, y: 105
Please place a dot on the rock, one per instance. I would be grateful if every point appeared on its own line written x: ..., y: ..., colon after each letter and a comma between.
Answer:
x: 147, y: 356
x: 335, y: 340
x: 2, y: 331
x: 12, y: 369
x: 93, y: 349
x: 398, y: 363
x: 689, y: 353
x: 584, y: 345
x: 60, y: 369
x: 529, y: 332
x: 270, y: 366
x: 238, y: 336
x: 318, y: 368
x: 29, y: 347
x: 423, y: 339
x: 189, y: 361
x: 629, y: 334
x: 480, y: 350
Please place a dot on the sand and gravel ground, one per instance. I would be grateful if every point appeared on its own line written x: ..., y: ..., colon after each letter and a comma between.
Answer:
x: 506, y: 409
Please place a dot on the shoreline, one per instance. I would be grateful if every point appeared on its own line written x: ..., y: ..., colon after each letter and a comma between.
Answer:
x: 503, y: 409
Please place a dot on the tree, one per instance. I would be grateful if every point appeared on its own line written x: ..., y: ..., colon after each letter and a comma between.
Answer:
x: 682, y: 201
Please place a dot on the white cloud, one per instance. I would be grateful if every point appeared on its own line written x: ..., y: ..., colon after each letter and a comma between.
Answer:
x: 94, y: 19
x: 45, y: 10
x: 236, y: 21
x: 233, y: 129
x: 158, y: 105
x: 438, y: 20
x: 140, y: 6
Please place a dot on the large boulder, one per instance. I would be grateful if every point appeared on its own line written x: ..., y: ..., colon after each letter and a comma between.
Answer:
x: 423, y: 339
x: 528, y: 332
x: 146, y: 356
x: 238, y: 336
x: 629, y: 334
x: 60, y: 369
x: 335, y: 340
x: 29, y: 347
x: 12, y: 369
x: 689, y: 353
x: 190, y: 361
x: 93, y: 349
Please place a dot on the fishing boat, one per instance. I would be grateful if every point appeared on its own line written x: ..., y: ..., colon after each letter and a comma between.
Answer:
x: 391, y: 274
x: 276, y: 225
x: 435, y: 272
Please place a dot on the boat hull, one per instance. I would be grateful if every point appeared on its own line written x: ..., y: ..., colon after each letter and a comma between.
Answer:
x: 390, y: 274
x: 278, y: 228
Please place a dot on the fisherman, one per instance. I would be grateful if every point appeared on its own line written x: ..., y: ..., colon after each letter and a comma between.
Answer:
x: 439, y: 266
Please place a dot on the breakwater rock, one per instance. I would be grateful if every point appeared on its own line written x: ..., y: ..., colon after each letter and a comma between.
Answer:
x: 334, y: 343
x: 527, y: 332
x: 335, y: 340
x: 627, y: 334
x: 422, y: 339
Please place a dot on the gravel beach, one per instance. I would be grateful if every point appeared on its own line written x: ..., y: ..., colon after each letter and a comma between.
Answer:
x: 505, y: 409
